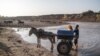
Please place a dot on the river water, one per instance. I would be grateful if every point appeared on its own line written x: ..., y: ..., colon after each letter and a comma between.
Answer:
x: 89, y: 38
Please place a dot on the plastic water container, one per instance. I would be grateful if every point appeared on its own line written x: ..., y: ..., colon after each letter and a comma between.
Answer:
x: 65, y: 34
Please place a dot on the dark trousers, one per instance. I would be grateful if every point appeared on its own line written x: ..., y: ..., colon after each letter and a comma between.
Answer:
x: 76, y: 40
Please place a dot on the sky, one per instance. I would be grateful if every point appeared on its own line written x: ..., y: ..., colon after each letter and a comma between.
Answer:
x: 43, y: 7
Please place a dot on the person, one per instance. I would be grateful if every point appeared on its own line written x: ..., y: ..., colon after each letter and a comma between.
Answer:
x: 69, y: 28
x: 76, y: 30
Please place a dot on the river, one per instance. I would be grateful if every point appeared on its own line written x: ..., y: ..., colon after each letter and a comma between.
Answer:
x: 89, y: 38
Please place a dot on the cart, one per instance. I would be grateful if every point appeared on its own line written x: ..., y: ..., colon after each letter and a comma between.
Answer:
x: 65, y: 45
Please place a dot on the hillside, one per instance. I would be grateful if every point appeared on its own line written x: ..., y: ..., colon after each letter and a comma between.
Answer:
x: 87, y: 16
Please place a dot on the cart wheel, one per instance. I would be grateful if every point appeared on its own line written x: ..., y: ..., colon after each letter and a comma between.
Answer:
x: 64, y: 48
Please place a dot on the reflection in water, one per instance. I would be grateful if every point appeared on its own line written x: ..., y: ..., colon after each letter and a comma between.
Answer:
x: 64, y: 55
x: 73, y: 53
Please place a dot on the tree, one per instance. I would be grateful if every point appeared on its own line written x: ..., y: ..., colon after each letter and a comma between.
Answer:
x: 89, y: 12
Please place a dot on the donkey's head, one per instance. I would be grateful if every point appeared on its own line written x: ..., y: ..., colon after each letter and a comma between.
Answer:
x: 32, y: 30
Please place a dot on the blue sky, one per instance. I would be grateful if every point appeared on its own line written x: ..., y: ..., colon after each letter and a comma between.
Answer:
x: 43, y: 7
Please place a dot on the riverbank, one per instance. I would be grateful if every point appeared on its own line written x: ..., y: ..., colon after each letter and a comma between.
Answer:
x: 11, y: 44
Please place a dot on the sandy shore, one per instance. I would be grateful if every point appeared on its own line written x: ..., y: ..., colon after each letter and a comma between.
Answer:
x: 11, y: 44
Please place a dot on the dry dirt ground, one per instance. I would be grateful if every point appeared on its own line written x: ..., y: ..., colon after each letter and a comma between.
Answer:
x: 12, y: 45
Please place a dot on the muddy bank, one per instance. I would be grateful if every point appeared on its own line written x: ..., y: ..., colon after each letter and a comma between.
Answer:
x: 12, y: 45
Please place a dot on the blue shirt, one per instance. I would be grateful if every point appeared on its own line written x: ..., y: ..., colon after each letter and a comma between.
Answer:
x: 76, y: 32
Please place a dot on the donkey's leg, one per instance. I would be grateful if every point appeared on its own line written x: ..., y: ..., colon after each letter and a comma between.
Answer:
x: 51, y: 44
x: 38, y: 41
x: 52, y: 47
x: 53, y: 39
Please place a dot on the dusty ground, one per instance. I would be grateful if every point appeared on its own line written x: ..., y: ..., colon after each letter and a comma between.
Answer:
x: 12, y: 45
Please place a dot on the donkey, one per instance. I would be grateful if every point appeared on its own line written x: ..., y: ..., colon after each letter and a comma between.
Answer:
x: 20, y: 22
x: 41, y: 34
